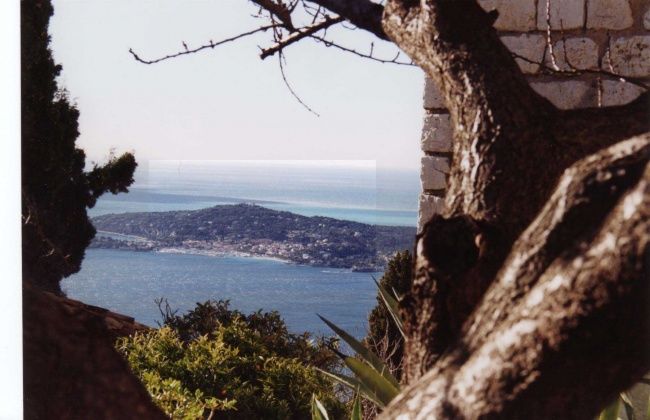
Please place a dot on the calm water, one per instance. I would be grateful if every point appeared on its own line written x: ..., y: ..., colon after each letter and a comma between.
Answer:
x: 128, y: 282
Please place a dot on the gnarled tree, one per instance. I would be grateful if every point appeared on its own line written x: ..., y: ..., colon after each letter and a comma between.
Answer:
x: 531, y: 289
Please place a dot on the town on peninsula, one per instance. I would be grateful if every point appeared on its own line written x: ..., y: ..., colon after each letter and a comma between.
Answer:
x: 252, y: 230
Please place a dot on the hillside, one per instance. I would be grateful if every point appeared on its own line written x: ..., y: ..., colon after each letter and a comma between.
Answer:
x: 258, y: 231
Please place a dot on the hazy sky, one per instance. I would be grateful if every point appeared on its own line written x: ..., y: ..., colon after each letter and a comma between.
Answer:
x: 226, y: 103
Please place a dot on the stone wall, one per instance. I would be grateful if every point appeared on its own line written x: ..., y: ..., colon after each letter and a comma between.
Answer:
x: 612, y: 35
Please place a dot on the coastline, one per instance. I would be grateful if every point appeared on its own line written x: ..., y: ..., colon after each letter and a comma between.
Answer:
x: 219, y: 254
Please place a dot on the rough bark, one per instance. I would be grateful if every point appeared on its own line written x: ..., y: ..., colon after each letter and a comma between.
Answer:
x: 569, y: 298
x: 564, y: 326
x: 504, y: 133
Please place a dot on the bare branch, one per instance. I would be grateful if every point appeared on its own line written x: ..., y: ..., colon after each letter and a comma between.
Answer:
x: 300, y: 34
x: 293, y: 93
x: 369, y: 56
x: 202, y: 47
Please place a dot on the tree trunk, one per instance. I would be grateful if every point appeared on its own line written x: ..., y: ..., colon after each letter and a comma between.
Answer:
x: 510, y: 148
x: 530, y: 290
x: 564, y: 325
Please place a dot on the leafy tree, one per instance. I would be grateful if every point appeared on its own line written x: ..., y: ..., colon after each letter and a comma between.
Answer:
x: 56, y: 192
x: 220, y: 362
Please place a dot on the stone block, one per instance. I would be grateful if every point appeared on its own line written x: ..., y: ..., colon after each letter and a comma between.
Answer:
x: 433, y: 173
x: 577, y: 53
x: 436, y: 133
x: 432, y: 96
x: 567, y: 94
x: 530, y: 46
x: 429, y: 205
x: 630, y: 56
x: 514, y: 15
x: 564, y: 14
x: 616, y: 92
x: 609, y: 14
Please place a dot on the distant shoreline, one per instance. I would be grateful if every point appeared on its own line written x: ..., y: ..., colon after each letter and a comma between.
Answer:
x: 253, y: 231
x: 219, y: 254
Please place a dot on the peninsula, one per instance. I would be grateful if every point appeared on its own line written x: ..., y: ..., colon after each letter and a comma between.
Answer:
x: 252, y: 230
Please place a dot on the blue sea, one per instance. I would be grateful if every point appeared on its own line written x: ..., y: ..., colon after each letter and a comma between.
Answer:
x: 129, y: 281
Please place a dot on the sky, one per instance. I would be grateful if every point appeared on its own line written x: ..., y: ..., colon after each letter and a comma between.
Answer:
x: 227, y: 103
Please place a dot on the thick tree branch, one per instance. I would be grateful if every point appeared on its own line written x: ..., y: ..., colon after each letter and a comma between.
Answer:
x: 279, y: 10
x: 510, y: 147
x: 363, y: 14
x: 565, y: 326
x: 491, y: 103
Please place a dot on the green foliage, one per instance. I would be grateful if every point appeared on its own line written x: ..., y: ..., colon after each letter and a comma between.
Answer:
x: 56, y: 191
x: 623, y: 403
x: 379, y: 358
x: 357, y: 414
x: 366, y: 355
x: 392, y: 306
x: 384, y: 335
x: 319, y: 412
x: 611, y: 411
x: 373, y: 378
x: 239, y: 366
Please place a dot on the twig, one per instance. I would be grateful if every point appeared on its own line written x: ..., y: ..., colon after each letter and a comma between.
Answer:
x: 202, y: 47
x: 300, y: 34
x: 293, y: 93
x: 329, y: 43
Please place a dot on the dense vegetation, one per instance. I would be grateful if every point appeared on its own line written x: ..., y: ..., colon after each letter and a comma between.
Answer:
x: 320, y: 241
x: 215, y: 361
x: 56, y: 191
x: 384, y: 338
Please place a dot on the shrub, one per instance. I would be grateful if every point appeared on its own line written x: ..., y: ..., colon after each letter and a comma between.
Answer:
x: 217, y: 360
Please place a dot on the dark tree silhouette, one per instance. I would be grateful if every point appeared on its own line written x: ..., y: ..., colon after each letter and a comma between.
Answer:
x: 56, y: 192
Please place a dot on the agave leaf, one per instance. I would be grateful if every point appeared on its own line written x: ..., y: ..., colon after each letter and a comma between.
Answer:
x: 365, y: 354
x: 611, y: 411
x: 371, y: 379
x: 627, y: 405
x: 355, y: 384
x: 391, y: 306
x: 356, y: 409
x: 318, y: 411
